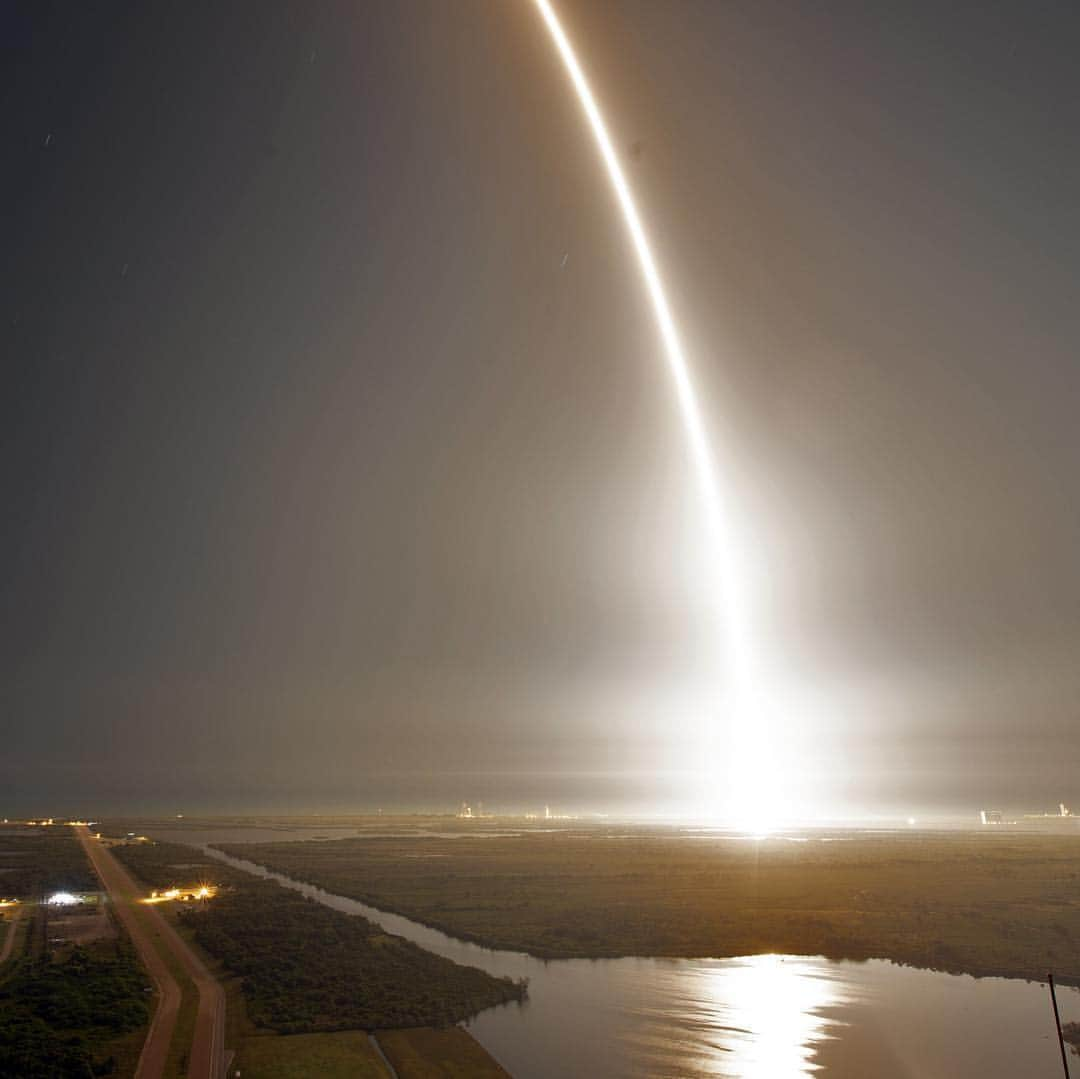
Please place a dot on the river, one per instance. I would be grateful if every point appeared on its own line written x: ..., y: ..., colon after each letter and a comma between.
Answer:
x: 758, y: 1017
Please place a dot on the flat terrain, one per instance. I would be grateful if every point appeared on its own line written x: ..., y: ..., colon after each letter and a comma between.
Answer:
x: 347, y: 1054
x: 124, y: 893
x: 448, y: 1053
x: 80, y: 924
x: 38, y: 861
x: 154, y: 936
x: 974, y: 902
x: 306, y: 968
x: 73, y: 996
x: 9, y: 927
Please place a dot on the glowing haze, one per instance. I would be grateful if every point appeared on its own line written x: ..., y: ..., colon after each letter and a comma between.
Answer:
x: 749, y: 779
x: 350, y: 470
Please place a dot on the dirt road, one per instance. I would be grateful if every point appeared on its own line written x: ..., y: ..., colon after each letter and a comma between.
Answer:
x: 207, y: 1055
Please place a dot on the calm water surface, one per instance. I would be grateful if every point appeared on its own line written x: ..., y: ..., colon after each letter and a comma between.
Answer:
x: 765, y: 1017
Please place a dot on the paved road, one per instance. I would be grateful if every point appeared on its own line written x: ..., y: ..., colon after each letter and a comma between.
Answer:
x: 121, y: 887
x: 207, y: 1057
x: 9, y: 940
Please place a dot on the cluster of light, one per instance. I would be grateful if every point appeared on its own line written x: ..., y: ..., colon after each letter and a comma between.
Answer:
x: 62, y: 899
x: 198, y: 891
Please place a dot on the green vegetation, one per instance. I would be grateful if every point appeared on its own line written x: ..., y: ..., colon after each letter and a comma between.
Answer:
x: 58, y: 1017
x: 307, y: 968
x: 75, y: 1011
x: 347, y: 1054
x: 36, y: 861
x: 981, y: 903
x: 450, y: 1053
x: 161, y: 865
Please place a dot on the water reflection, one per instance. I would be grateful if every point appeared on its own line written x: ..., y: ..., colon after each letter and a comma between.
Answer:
x: 758, y: 1017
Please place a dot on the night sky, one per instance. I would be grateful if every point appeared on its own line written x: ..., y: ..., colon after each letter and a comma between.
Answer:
x: 341, y: 468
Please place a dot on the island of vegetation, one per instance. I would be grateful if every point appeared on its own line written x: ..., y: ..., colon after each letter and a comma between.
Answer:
x: 306, y: 968
x: 966, y: 902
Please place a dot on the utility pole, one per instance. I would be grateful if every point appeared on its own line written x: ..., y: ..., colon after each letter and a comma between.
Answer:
x: 1057, y: 1023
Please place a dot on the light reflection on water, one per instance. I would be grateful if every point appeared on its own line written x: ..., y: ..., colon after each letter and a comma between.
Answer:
x: 757, y: 1017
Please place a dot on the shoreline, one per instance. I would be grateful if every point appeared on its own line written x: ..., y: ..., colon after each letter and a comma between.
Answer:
x: 952, y: 905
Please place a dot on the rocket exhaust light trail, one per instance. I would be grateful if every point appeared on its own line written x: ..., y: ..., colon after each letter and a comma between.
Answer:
x: 688, y: 403
x: 751, y: 765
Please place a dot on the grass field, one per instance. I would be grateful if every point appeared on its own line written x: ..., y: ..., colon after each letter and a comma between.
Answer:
x: 346, y: 1054
x: 980, y: 903
x: 448, y: 1053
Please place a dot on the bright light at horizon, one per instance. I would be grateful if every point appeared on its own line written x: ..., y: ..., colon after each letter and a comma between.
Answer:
x: 751, y: 772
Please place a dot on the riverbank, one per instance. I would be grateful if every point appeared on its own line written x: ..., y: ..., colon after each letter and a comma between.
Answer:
x: 306, y: 968
x: 768, y: 1014
x: 975, y: 903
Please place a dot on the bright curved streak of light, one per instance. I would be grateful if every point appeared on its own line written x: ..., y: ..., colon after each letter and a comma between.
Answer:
x: 750, y: 772
x: 680, y: 371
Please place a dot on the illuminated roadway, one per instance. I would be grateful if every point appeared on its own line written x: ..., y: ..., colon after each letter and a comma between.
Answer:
x: 207, y: 1056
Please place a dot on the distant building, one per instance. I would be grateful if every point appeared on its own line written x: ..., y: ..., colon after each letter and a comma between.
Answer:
x: 991, y: 816
x: 1064, y: 818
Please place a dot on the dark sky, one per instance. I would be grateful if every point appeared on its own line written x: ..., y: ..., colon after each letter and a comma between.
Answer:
x: 341, y: 467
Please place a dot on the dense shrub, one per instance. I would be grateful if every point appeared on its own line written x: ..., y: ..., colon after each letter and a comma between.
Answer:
x: 305, y: 967
x: 56, y: 1016
x: 43, y: 860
